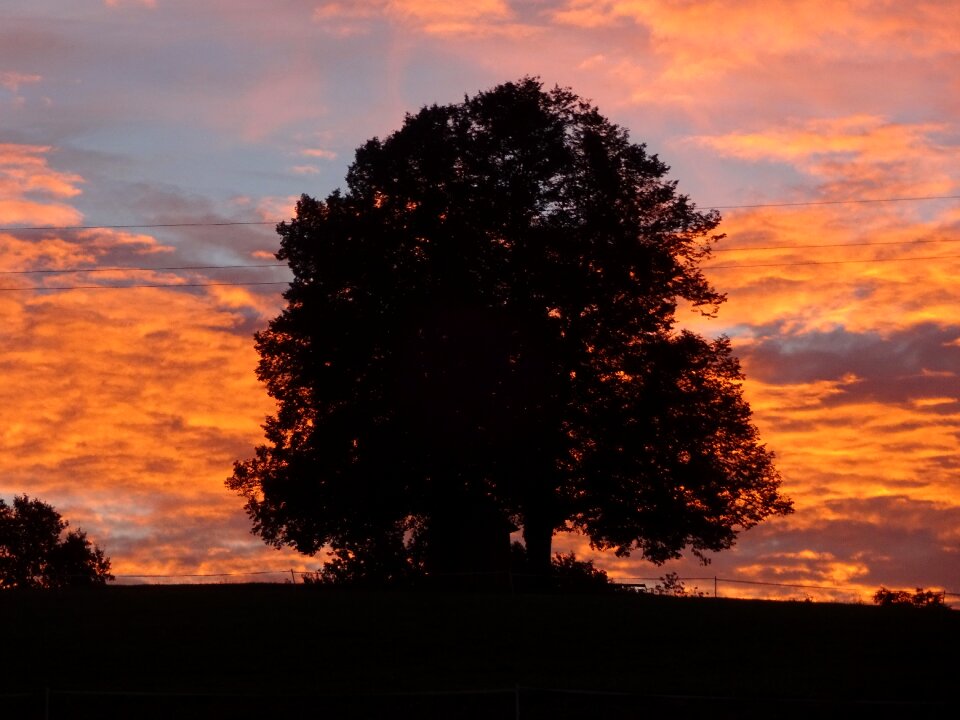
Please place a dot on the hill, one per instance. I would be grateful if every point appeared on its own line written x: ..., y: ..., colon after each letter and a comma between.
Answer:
x: 299, y: 651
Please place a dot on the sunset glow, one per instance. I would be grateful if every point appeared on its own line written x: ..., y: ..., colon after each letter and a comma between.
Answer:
x: 831, y: 149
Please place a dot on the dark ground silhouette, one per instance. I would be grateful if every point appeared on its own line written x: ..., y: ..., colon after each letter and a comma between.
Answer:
x: 300, y: 651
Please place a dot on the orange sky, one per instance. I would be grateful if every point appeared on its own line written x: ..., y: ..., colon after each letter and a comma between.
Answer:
x: 126, y: 408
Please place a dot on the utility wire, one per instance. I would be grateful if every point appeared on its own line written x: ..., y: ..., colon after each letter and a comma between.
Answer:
x: 223, y: 574
x: 231, y: 223
x: 834, y: 245
x: 285, y: 282
x: 842, y: 588
x: 41, y: 288
x: 833, y: 202
x: 119, y: 268
x: 829, y: 262
x: 64, y: 271
x: 139, y: 227
x: 176, y: 268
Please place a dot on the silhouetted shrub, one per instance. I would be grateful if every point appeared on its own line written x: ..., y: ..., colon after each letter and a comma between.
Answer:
x: 35, y: 552
x: 570, y: 574
x: 902, y: 598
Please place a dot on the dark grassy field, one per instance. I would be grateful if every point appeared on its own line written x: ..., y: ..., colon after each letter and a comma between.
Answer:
x: 299, y: 651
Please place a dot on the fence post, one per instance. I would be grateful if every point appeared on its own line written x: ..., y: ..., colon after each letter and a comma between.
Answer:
x: 714, y: 587
x: 293, y: 578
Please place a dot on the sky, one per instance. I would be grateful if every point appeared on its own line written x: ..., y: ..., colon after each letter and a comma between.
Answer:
x: 827, y: 133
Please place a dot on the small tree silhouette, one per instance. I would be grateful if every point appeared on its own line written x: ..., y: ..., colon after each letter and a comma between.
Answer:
x: 903, y: 598
x: 36, y: 552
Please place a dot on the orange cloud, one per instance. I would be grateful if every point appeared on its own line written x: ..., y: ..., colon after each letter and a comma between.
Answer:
x: 430, y: 16
x: 304, y: 170
x: 13, y: 80
x: 688, y: 29
x: 117, y: 3
x: 701, y: 54
x: 29, y: 188
x: 320, y: 153
x: 126, y: 408
x: 858, y: 155
x: 857, y: 265
x: 845, y: 318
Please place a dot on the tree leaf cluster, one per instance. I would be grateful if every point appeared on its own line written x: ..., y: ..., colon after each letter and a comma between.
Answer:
x: 921, y: 598
x: 37, y: 550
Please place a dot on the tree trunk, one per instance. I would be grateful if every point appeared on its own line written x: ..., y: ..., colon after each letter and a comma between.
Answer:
x: 538, y: 537
x: 468, y: 546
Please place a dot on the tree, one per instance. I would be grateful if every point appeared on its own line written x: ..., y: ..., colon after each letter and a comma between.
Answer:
x: 36, y: 552
x: 572, y: 575
x: 902, y: 598
x: 480, y: 336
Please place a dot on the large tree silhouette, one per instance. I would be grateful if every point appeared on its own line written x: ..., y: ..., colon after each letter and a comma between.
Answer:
x: 37, y: 551
x: 480, y: 337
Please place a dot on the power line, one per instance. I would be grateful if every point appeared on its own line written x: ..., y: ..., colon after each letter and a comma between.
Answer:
x: 118, y: 268
x: 735, y: 581
x: 64, y: 271
x: 285, y: 282
x: 137, y: 286
x: 231, y: 223
x: 829, y: 262
x: 222, y: 574
x: 851, y: 201
x: 767, y: 583
x: 176, y: 268
x: 834, y: 245
x: 142, y: 226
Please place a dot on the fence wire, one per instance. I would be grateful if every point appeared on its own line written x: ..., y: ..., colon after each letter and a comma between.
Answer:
x: 721, y: 586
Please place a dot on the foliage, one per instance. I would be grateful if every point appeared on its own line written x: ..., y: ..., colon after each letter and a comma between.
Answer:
x: 570, y: 574
x: 671, y: 584
x: 376, y: 569
x: 480, y: 337
x: 902, y: 598
x: 366, y: 567
x: 36, y: 550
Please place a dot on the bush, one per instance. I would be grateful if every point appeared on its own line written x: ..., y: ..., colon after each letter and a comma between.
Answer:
x: 902, y: 598
x: 37, y: 551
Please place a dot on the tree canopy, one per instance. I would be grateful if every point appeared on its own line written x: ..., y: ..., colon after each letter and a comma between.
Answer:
x: 480, y: 336
x: 902, y: 598
x: 37, y: 551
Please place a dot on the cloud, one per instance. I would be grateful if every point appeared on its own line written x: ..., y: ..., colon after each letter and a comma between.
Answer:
x: 319, y: 153
x: 687, y: 30
x: 926, y: 353
x: 143, y: 396
x: 434, y: 17
x: 126, y: 408
x: 725, y: 57
x: 843, y: 550
x: 13, y: 80
x: 848, y: 336
x: 891, y: 540
x: 119, y: 3
x: 875, y: 266
x: 24, y: 170
x: 30, y: 191
x: 862, y: 156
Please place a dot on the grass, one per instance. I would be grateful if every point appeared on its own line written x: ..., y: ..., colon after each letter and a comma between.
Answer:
x: 299, y: 651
